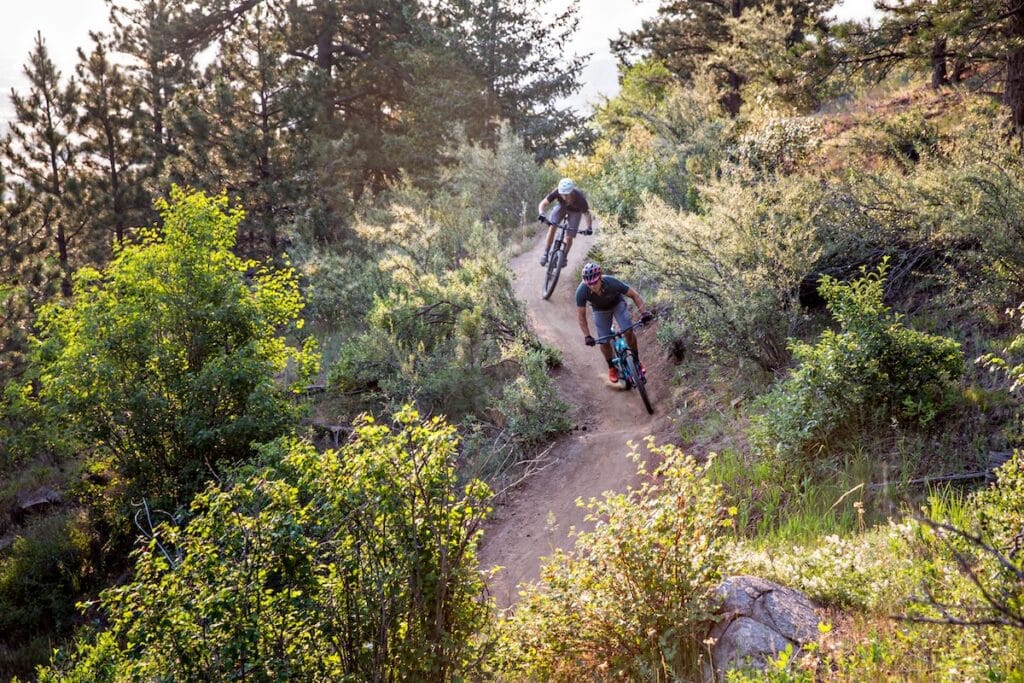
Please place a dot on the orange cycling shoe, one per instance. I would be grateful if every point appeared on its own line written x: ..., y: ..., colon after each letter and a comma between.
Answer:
x: 613, y: 375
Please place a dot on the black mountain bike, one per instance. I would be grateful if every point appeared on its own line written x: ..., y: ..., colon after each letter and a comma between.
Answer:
x: 556, y: 255
x: 626, y: 362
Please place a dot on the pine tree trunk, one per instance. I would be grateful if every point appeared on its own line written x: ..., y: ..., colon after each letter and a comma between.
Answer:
x: 1013, y: 96
x: 940, y: 76
x: 732, y: 101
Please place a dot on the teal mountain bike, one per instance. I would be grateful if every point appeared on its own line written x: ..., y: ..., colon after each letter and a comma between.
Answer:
x: 626, y: 362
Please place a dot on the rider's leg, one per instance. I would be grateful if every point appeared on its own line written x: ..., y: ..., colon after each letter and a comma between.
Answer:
x: 603, y: 327
x: 631, y: 341
x: 547, y: 246
x: 570, y: 231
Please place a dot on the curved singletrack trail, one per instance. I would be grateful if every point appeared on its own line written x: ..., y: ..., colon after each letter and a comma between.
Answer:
x: 590, y: 460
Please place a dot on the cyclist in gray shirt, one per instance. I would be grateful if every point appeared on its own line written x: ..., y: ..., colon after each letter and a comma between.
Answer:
x: 568, y: 200
x: 606, y: 296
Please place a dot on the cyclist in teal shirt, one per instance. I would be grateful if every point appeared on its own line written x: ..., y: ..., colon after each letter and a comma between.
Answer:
x: 606, y: 296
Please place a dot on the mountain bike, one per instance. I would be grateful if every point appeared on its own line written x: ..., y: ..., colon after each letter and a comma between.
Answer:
x: 556, y: 254
x: 626, y: 361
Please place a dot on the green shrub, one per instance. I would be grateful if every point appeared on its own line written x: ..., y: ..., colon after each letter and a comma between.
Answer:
x: 779, y: 145
x: 167, y: 360
x: 872, y: 370
x: 443, y: 314
x: 530, y: 405
x: 869, y: 571
x: 41, y: 574
x: 351, y: 565
x: 504, y: 183
x: 635, y: 598
x: 732, y: 272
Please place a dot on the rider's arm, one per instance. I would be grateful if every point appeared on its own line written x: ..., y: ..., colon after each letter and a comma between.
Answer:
x: 546, y: 202
x: 590, y: 220
x: 637, y: 299
x: 581, y: 316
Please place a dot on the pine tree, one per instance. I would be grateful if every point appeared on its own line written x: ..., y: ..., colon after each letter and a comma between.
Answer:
x: 685, y: 34
x: 112, y: 145
x: 243, y: 128
x: 27, y: 277
x: 961, y: 34
x: 41, y: 157
x: 520, y: 54
x: 144, y: 31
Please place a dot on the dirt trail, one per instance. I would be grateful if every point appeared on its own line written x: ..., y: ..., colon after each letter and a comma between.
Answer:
x: 589, y: 461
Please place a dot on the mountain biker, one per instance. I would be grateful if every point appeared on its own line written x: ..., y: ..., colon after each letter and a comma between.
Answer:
x: 605, y: 295
x: 569, y: 200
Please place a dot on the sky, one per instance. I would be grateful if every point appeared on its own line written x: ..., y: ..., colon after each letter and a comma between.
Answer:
x: 65, y: 26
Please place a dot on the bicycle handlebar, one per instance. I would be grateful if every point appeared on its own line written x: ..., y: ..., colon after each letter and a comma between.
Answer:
x: 564, y: 224
x: 608, y: 337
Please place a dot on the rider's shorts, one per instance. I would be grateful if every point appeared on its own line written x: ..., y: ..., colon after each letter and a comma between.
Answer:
x: 603, y: 319
x: 574, y: 218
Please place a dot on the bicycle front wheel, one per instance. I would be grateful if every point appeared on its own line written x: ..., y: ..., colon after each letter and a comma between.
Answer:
x: 554, y: 270
x: 639, y: 381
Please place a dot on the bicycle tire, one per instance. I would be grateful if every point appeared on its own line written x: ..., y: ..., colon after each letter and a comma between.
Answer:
x: 554, y: 270
x: 639, y: 382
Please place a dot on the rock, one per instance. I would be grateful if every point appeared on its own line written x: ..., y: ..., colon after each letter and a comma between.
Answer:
x: 759, y: 619
x: 38, y: 500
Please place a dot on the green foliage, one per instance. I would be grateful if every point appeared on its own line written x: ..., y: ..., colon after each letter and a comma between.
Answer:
x: 530, y: 405
x: 869, y: 571
x: 780, y: 66
x: 635, y: 598
x: 443, y: 315
x: 872, y: 370
x: 501, y: 181
x: 351, y: 565
x: 982, y: 535
x: 733, y: 272
x: 167, y: 359
x: 779, y: 144
x: 40, y: 575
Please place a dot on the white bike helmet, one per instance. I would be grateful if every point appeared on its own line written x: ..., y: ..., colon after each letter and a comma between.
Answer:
x: 566, y: 185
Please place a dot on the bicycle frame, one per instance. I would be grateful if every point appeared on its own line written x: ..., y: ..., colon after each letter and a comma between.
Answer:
x: 555, y: 255
x: 626, y: 362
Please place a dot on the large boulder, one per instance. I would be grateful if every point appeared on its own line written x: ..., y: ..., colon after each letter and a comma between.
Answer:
x: 759, y: 619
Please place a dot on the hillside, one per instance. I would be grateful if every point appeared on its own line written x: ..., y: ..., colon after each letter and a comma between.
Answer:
x: 282, y: 399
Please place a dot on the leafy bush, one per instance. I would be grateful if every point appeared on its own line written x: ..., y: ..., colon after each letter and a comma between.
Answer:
x: 530, y: 405
x: 351, y: 565
x: 733, y: 272
x: 167, y: 359
x: 869, y: 571
x: 635, y: 598
x: 444, y: 313
x: 40, y: 575
x: 504, y: 183
x: 779, y: 144
x: 872, y: 370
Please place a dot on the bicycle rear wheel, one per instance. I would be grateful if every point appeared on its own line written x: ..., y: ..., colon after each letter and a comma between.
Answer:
x: 554, y: 270
x: 639, y: 381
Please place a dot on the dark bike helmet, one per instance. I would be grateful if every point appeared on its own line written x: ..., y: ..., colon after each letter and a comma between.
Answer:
x: 591, y: 273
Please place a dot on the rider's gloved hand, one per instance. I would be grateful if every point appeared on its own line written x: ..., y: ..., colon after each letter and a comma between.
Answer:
x: 589, y: 341
x: 646, y: 317
x: 588, y: 231
x: 542, y: 218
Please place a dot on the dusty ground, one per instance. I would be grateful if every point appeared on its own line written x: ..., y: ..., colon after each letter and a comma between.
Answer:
x: 594, y: 457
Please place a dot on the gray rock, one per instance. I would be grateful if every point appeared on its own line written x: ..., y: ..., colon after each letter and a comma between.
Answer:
x: 759, y: 619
